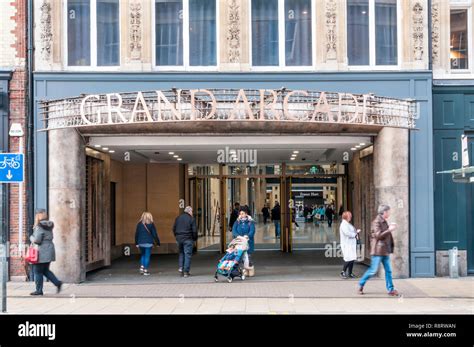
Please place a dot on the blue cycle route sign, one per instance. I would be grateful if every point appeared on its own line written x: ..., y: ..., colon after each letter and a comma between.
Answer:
x: 11, y: 168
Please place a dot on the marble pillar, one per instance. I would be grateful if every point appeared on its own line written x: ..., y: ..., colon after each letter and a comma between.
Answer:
x: 391, y: 182
x: 66, y: 178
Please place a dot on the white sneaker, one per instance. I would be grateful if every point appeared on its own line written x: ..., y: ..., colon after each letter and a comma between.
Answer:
x: 146, y: 273
x: 142, y: 269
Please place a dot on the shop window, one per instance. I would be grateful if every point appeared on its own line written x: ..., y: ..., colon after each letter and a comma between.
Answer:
x: 372, y: 38
x: 93, y: 33
x: 459, y: 54
x: 282, y: 33
x: 185, y: 33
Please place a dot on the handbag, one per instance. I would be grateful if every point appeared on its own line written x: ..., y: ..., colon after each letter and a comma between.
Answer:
x: 32, y: 255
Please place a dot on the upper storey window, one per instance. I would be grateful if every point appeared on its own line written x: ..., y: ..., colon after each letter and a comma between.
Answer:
x: 185, y: 33
x: 282, y: 33
x: 372, y: 35
x: 459, y: 39
x: 93, y: 35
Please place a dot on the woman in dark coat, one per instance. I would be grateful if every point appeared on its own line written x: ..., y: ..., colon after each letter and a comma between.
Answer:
x: 42, y: 237
x: 245, y: 225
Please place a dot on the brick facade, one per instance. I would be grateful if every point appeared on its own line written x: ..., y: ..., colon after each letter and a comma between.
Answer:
x: 13, y: 55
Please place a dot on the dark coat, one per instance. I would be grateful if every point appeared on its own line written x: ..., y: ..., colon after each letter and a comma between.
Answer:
x: 142, y: 235
x: 184, y: 228
x: 276, y: 213
x: 43, y: 237
x: 233, y: 217
x: 381, y: 240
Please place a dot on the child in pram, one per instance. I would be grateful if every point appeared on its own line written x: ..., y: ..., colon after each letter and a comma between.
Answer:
x: 236, y: 255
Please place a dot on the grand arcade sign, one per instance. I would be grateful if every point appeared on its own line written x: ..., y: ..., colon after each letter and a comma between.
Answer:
x: 221, y: 105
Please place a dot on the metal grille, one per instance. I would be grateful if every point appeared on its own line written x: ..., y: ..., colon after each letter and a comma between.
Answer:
x: 229, y: 105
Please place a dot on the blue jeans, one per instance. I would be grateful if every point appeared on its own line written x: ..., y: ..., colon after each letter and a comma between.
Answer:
x: 277, y: 227
x: 42, y: 270
x: 185, y: 254
x: 374, y: 266
x: 145, y: 258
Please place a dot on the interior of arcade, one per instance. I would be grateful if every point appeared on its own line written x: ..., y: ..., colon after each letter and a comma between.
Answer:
x: 305, y: 175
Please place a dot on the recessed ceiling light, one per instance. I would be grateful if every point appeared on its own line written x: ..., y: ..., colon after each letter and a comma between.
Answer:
x: 357, y: 146
x: 292, y: 158
x: 111, y: 151
x: 353, y: 149
x: 175, y: 156
x: 296, y: 152
x: 105, y: 148
x: 293, y: 155
x: 170, y: 153
x: 97, y: 146
x: 179, y: 159
x: 362, y: 144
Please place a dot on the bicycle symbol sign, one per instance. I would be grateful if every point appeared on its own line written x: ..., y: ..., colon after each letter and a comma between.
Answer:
x: 11, y: 167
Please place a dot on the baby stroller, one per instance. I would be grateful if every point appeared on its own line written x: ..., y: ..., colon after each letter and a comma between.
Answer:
x: 230, y: 266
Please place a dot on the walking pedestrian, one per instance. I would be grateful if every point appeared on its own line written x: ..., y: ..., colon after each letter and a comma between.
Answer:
x: 381, y: 247
x: 42, y: 238
x: 185, y: 231
x: 276, y: 217
x: 146, y: 237
x: 265, y: 213
x: 348, y: 237
x: 329, y: 215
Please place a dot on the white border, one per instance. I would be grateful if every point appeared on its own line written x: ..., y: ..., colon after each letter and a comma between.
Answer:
x: 93, y: 40
x: 464, y: 72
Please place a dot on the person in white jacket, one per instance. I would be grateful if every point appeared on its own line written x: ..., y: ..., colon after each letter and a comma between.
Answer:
x: 349, y: 237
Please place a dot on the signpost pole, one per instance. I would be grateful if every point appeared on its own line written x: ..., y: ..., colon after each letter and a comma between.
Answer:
x: 3, y: 255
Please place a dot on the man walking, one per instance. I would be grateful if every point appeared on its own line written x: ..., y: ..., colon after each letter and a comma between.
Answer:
x: 185, y: 231
x: 276, y: 218
x: 381, y: 244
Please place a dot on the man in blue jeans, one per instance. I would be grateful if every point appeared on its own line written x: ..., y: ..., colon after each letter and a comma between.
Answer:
x: 381, y: 243
x: 185, y: 231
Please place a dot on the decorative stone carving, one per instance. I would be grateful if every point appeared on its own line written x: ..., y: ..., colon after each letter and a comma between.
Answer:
x: 418, y: 31
x: 435, y: 32
x: 135, y: 30
x: 46, y: 34
x: 331, y: 36
x: 233, y: 32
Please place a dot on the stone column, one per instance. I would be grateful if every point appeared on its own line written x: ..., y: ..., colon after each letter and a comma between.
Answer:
x: 66, y: 177
x: 391, y: 181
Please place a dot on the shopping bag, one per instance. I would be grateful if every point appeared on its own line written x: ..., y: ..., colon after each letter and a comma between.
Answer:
x: 32, y: 255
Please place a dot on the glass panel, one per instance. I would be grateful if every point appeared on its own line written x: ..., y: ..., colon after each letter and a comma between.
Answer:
x: 202, y: 33
x: 108, y: 37
x: 265, y: 33
x: 358, y: 51
x: 169, y: 32
x: 386, y: 32
x: 458, y: 40
x: 78, y: 32
x: 298, y: 45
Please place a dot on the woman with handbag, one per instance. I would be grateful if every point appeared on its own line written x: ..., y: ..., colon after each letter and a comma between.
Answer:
x: 348, y: 235
x: 145, y: 238
x: 42, y: 239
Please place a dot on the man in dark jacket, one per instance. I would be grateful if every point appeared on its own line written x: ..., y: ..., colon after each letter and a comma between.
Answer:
x: 185, y: 231
x: 234, y: 215
x: 276, y: 218
x: 381, y: 246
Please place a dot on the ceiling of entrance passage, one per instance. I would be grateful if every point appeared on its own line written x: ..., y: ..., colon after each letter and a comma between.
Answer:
x: 206, y: 149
